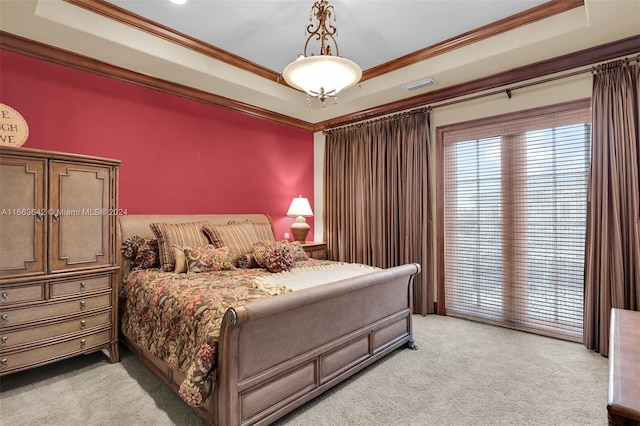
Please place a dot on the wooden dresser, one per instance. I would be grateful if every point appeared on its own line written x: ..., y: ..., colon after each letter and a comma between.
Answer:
x: 58, y: 261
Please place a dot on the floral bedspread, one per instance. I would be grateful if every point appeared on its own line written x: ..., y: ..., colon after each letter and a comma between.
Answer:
x: 177, y: 318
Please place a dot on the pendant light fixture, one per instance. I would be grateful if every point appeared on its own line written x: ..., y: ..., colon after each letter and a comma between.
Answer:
x: 325, y: 75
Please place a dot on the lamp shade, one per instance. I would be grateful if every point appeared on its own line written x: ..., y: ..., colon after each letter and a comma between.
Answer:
x: 300, y: 207
x: 324, y: 74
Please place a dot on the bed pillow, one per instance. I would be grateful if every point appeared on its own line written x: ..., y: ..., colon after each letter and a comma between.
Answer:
x: 187, y: 234
x: 264, y: 231
x: 276, y: 256
x: 142, y: 251
x: 180, y: 265
x: 239, y: 237
x: 208, y: 259
x: 297, y: 251
x: 246, y: 261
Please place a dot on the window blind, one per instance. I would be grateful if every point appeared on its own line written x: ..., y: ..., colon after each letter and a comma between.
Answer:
x: 515, y: 211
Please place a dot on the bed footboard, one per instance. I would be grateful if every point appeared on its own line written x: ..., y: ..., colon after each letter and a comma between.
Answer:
x: 278, y: 353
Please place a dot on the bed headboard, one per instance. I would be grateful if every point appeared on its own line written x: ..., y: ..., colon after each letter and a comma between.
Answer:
x: 130, y: 225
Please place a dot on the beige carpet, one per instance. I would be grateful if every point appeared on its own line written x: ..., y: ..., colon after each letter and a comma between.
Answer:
x: 465, y: 373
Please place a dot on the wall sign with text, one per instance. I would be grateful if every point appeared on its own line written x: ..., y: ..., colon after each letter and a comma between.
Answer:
x: 13, y: 127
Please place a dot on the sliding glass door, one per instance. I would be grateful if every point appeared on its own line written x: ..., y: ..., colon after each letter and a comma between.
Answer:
x: 515, y: 213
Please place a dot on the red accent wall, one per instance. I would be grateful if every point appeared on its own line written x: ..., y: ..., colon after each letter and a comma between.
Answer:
x: 178, y: 155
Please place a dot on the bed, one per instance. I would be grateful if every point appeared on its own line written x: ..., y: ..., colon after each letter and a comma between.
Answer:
x: 277, y: 351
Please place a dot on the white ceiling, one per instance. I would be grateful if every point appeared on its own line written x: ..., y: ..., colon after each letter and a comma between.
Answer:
x: 272, y: 33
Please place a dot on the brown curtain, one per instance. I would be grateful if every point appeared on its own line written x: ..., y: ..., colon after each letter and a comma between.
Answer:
x: 612, y: 252
x: 377, y: 199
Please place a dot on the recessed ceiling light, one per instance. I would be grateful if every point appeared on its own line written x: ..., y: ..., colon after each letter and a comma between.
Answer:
x: 420, y: 84
x: 178, y: 1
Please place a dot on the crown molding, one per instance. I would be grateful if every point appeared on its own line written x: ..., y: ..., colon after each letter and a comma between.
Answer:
x: 567, y: 62
x: 537, y: 13
x: 124, y: 16
x: 45, y: 52
x: 542, y: 11
x: 586, y: 57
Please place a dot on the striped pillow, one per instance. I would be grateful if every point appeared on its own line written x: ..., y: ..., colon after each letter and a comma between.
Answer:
x: 264, y: 231
x: 239, y: 237
x: 177, y: 234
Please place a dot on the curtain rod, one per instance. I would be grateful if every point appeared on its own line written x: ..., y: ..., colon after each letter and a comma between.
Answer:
x: 430, y: 108
x: 378, y: 120
x: 613, y: 64
x: 509, y: 90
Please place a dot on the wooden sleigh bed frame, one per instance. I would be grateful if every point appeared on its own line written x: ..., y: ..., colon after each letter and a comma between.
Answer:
x: 276, y: 354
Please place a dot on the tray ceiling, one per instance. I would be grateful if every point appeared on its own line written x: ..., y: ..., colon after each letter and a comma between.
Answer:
x: 236, y: 50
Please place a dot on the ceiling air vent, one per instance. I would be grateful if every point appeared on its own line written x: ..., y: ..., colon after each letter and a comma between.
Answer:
x: 420, y: 84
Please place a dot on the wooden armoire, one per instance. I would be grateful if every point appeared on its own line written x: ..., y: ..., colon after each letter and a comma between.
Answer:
x: 58, y: 263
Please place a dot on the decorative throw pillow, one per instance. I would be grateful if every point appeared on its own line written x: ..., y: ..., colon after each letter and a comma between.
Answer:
x: 180, y: 260
x: 274, y: 255
x: 239, y: 237
x: 130, y: 246
x: 142, y: 251
x: 187, y: 234
x: 297, y: 251
x: 148, y: 255
x: 208, y: 259
x: 246, y: 261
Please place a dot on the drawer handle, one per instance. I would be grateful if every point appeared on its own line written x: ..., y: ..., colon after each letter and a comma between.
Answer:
x: 4, y: 318
x: 39, y: 216
x: 4, y: 296
x: 56, y: 217
x: 83, y: 285
x: 83, y: 343
x: 3, y: 363
x: 83, y: 304
x: 3, y: 340
x: 83, y: 324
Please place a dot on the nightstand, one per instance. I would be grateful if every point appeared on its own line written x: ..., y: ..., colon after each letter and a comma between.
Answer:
x: 315, y: 250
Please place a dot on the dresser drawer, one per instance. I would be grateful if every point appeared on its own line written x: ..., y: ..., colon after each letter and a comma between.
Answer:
x: 28, y: 358
x: 24, y: 315
x: 64, y: 288
x: 24, y: 293
x: 32, y: 334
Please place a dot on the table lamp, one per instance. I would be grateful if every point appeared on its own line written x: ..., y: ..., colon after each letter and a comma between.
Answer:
x: 300, y: 208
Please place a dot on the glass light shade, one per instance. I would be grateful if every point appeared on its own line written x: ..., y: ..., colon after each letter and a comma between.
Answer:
x: 312, y: 74
x: 300, y: 207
